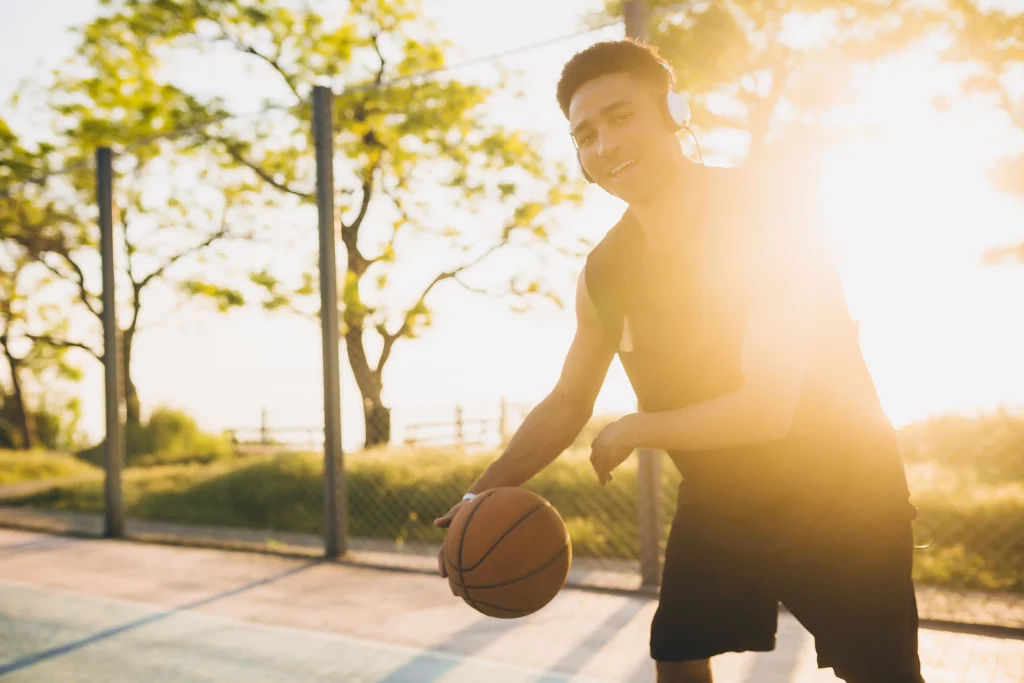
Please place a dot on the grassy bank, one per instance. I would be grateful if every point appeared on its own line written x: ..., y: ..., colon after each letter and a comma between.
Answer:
x: 23, y: 466
x: 396, y: 495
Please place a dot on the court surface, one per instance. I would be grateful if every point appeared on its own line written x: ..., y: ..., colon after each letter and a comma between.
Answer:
x: 75, y: 610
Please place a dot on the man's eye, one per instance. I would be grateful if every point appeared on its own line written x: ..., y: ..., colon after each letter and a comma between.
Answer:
x: 585, y: 140
x: 622, y: 118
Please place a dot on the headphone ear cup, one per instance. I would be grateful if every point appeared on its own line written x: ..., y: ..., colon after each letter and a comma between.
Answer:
x: 583, y: 171
x: 678, y: 109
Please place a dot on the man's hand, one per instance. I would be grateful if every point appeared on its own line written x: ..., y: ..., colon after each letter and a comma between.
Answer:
x: 609, y: 450
x: 443, y: 523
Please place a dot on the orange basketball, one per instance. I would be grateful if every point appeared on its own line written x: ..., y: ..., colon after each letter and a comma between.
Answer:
x: 507, y: 552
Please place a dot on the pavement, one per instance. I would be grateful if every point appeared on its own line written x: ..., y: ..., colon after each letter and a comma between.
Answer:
x: 84, y: 610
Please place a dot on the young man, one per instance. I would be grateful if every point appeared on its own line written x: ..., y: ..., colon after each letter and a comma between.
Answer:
x: 732, y: 327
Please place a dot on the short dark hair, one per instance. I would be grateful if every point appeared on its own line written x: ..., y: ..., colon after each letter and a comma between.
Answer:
x: 614, y: 56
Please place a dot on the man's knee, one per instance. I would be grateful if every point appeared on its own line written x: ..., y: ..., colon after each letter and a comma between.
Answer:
x: 698, y: 671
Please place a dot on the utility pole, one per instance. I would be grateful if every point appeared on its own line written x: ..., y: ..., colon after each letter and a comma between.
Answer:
x: 635, y: 14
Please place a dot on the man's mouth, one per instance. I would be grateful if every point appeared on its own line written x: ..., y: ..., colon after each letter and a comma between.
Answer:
x: 622, y: 168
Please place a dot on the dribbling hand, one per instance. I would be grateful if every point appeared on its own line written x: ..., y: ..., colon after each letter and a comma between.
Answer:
x: 443, y: 523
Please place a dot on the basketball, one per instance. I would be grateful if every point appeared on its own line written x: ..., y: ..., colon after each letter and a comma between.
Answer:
x: 507, y: 552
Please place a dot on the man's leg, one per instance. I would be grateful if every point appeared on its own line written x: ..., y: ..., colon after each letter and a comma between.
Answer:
x: 851, y: 587
x: 710, y: 604
x: 684, y: 672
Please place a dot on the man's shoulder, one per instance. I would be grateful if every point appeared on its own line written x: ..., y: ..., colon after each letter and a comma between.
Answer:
x: 609, y: 244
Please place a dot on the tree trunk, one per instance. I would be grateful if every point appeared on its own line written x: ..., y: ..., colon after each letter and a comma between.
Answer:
x: 133, y: 410
x: 26, y: 426
x: 376, y: 416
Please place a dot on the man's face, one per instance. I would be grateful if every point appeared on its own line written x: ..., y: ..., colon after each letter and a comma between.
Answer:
x: 624, y: 142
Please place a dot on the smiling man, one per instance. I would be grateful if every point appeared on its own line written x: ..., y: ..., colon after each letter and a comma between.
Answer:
x: 731, y: 324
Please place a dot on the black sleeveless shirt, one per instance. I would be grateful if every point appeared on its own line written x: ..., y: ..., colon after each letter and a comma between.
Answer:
x: 678, y: 319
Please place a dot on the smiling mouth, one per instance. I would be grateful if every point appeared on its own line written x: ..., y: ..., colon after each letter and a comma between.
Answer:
x: 622, y: 168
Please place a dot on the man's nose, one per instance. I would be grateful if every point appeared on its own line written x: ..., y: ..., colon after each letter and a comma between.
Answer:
x: 607, y: 144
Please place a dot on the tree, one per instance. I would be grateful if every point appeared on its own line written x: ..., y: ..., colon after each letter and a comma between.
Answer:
x: 171, y: 215
x: 754, y: 67
x: 29, y: 224
x: 165, y: 242
x: 989, y: 42
x: 430, y: 191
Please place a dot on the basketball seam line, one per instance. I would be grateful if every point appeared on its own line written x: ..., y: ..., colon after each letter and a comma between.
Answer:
x: 500, y: 539
x: 504, y: 609
x: 462, y: 541
x: 524, y: 576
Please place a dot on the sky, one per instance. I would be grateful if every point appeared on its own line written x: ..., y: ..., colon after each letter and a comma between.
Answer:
x: 909, y: 212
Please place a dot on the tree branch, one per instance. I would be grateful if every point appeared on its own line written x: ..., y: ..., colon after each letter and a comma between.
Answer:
x: 182, y: 254
x: 236, y: 154
x: 272, y: 61
x: 470, y: 288
x: 79, y: 277
x: 64, y: 343
x: 349, y: 232
x: 389, y: 344
x: 406, y: 220
x: 130, y: 251
x: 390, y: 339
x: 379, y: 78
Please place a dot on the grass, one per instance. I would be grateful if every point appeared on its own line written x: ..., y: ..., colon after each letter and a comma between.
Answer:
x: 23, y: 466
x: 395, y: 494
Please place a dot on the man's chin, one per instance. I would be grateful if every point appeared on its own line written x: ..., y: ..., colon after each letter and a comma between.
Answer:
x: 632, y: 192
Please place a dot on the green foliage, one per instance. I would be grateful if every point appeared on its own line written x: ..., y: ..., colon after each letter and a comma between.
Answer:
x: 745, y: 68
x: 23, y: 466
x: 398, y: 139
x: 988, y: 448
x: 168, y: 437
x: 988, y: 44
x: 57, y: 429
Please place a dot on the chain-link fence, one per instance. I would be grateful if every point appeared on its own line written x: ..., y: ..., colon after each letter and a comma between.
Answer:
x: 271, y: 491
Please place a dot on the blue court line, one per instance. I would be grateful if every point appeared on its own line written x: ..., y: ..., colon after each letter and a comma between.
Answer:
x: 414, y: 669
x: 37, y: 545
x: 471, y: 668
x: 577, y: 658
x: 14, y: 547
x: 60, y: 650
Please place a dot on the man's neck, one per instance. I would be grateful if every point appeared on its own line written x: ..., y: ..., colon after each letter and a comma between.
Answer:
x: 664, y: 218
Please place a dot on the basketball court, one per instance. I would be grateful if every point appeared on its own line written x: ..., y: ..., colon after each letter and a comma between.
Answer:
x: 79, y: 610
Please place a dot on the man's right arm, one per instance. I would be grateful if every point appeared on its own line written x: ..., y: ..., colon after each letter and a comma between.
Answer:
x: 553, y: 425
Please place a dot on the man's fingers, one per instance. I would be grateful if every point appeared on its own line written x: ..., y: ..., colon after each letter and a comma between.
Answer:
x: 441, y: 569
x: 446, y: 521
x: 599, y: 469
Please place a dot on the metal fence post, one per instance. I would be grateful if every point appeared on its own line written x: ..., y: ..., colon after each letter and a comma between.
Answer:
x: 335, y: 506
x: 114, y: 443
x: 648, y: 492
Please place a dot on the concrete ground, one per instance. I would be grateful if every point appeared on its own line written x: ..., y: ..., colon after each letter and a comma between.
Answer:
x: 80, y: 610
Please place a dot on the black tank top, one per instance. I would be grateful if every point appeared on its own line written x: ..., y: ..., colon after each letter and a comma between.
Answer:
x: 678, y: 320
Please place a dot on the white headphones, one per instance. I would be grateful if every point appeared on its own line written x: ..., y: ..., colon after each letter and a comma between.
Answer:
x: 677, y: 114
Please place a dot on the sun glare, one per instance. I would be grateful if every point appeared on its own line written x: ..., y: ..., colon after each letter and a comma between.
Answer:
x: 909, y: 212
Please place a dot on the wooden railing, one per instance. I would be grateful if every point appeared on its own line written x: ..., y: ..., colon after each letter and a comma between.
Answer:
x: 460, y: 428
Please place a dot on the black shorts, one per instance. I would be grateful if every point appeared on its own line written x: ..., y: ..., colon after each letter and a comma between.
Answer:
x: 846, y: 578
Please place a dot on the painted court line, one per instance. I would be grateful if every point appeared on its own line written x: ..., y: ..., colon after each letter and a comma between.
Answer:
x: 160, y: 613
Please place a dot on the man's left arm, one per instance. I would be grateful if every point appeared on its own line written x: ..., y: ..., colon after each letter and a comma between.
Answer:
x: 778, y: 338
x: 776, y: 349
